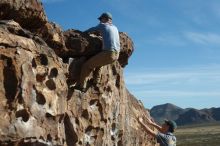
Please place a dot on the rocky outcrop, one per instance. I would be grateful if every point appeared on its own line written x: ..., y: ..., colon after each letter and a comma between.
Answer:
x: 28, y: 13
x: 39, y: 108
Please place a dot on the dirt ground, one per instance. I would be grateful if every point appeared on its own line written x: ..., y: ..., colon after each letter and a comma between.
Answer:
x: 199, y: 135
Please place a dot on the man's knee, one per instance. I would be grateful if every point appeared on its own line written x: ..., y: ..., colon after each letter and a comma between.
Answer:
x: 86, y: 65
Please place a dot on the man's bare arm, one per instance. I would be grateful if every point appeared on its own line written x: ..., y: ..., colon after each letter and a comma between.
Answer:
x: 158, y: 127
x: 147, y: 129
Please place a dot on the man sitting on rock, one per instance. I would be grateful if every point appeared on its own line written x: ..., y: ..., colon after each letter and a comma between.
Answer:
x: 109, y: 53
x: 164, y: 134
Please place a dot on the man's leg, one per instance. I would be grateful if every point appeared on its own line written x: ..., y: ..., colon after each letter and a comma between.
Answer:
x: 101, y: 59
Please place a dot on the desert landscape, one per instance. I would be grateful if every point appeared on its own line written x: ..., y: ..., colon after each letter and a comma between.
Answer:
x: 199, y: 135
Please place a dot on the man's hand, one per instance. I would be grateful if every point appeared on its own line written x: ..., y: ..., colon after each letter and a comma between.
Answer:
x: 140, y: 120
x: 149, y: 120
x: 146, y: 127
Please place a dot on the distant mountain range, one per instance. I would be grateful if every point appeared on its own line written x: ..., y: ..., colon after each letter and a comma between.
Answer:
x: 186, y: 116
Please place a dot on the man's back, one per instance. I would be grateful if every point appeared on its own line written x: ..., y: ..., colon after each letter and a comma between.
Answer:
x: 110, y: 37
x: 110, y: 34
x: 167, y: 139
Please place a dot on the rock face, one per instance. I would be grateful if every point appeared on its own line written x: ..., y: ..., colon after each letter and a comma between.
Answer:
x: 37, y: 105
x: 28, y: 13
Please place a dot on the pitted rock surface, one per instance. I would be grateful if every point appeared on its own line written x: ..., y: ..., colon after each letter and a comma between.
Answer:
x: 39, y: 107
x: 28, y: 13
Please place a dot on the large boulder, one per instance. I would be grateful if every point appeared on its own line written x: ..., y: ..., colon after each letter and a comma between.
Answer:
x: 38, y: 108
x: 28, y: 13
x: 33, y: 88
x: 52, y: 34
x: 31, y: 16
x: 38, y: 64
x: 71, y: 43
x: 81, y: 44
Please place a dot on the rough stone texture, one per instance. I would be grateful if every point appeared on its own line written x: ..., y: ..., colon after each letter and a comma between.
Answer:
x: 38, y: 108
x: 53, y: 36
x: 28, y: 13
x: 127, y: 49
x: 33, y: 88
x: 79, y: 43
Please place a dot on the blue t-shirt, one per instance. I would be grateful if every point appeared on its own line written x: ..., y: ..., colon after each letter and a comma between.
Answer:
x: 167, y: 139
x: 110, y: 35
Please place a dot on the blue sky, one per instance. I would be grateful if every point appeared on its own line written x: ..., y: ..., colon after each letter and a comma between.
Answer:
x: 177, y: 45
